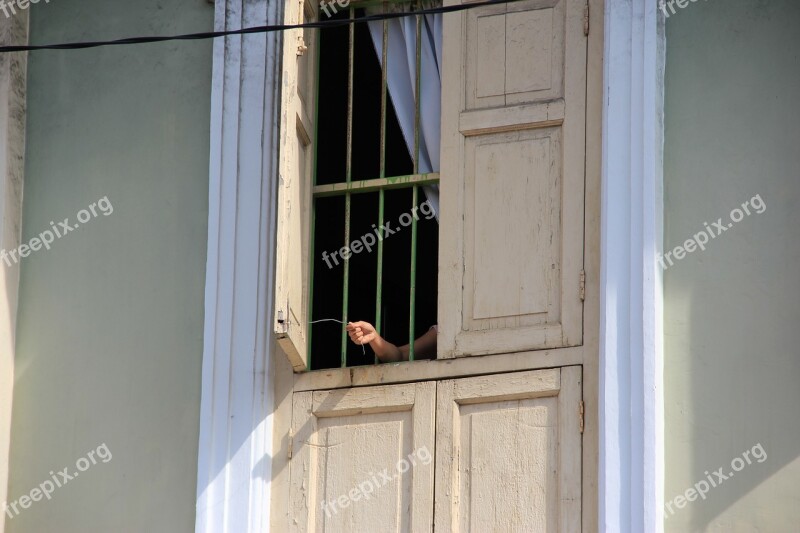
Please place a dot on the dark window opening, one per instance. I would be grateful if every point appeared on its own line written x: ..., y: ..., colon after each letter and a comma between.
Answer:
x: 328, y: 285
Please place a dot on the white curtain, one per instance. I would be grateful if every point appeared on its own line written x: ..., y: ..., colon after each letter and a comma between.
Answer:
x: 402, y: 59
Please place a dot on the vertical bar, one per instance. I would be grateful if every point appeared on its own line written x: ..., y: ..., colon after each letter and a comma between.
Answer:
x: 384, y: 76
x: 415, y: 190
x: 384, y: 96
x: 379, y: 288
x: 417, y: 96
x: 348, y: 176
x: 413, y: 284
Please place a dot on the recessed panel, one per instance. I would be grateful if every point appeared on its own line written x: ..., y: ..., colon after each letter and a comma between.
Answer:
x: 351, y: 452
x: 529, y: 50
x: 514, y: 244
x: 491, y: 55
x: 515, y: 54
x: 509, y: 481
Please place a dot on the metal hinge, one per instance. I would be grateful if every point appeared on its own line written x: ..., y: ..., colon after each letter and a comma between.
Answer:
x: 281, y: 326
x: 586, y: 19
x: 582, y: 285
x: 301, y: 43
x: 291, y: 444
x: 580, y: 415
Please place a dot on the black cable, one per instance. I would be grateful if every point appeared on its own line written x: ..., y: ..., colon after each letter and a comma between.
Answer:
x: 251, y: 30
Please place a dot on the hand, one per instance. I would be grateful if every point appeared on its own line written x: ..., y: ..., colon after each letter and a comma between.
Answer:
x: 361, y: 332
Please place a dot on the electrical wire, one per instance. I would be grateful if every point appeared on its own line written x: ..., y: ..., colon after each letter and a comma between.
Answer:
x: 340, y: 322
x: 248, y: 31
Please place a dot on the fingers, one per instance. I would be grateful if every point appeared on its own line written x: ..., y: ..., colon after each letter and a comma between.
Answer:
x: 360, y: 332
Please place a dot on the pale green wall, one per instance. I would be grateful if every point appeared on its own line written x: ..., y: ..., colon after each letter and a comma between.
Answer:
x: 110, y: 326
x: 732, y: 312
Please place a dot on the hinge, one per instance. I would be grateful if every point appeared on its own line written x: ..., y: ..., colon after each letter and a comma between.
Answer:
x: 582, y: 285
x: 282, y: 326
x: 291, y: 444
x: 586, y: 19
x: 580, y: 415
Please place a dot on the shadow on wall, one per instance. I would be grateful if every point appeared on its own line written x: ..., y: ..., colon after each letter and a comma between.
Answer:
x: 732, y: 342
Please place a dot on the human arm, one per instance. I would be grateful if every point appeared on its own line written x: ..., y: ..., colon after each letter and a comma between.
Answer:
x: 364, y: 333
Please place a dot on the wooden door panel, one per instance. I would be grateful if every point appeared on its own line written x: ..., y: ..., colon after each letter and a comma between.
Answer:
x: 508, y: 455
x: 362, y: 459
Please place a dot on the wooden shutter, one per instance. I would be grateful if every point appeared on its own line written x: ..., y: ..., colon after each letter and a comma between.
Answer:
x: 294, y: 185
x: 508, y: 453
x: 512, y: 178
x: 344, y: 441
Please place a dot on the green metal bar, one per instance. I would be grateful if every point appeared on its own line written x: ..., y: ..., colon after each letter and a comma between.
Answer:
x: 384, y: 76
x: 413, y: 284
x: 381, y: 191
x: 350, y: 67
x: 362, y: 186
x: 346, y: 274
x: 415, y: 193
x: 348, y: 176
x: 417, y: 96
x: 379, y: 283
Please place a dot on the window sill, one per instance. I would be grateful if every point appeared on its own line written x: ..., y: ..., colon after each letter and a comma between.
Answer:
x: 425, y: 370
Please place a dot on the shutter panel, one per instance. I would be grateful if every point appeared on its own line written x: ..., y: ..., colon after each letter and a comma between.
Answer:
x: 512, y: 178
x: 508, y: 453
x: 294, y: 185
x: 363, y: 459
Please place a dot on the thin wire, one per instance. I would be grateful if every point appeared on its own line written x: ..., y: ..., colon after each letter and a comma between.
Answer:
x: 340, y: 322
x: 251, y: 30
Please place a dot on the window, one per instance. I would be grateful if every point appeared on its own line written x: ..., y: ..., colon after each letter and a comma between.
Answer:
x: 375, y: 246
x: 510, y: 232
x: 370, y: 161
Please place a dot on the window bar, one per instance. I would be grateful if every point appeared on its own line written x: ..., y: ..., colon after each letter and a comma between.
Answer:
x: 413, y: 284
x: 384, y: 74
x: 417, y: 98
x: 415, y: 193
x: 348, y: 176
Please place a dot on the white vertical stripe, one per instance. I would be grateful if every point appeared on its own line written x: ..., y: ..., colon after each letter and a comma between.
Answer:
x: 234, y: 461
x: 631, y: 406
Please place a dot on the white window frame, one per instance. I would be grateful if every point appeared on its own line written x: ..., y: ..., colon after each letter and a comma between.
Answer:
x: 631, y: 462
x: 234, y: 461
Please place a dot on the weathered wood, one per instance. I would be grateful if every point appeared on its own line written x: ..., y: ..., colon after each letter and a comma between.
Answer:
x: 513, y: 155
x: 437, y: 369
x: 509, y: 452
x: 294, y: 186
x: 344, y: 439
